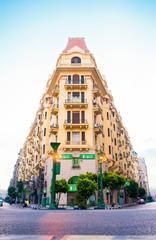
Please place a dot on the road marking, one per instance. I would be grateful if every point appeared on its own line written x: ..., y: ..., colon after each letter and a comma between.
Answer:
x: 77, y: 237
x: 98, y: 237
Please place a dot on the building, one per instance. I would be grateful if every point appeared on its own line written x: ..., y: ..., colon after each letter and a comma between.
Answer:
x: 143, y: 176
x: 77, y: 109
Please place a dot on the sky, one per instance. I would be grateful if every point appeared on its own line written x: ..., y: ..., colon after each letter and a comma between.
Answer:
x: 121, y: 34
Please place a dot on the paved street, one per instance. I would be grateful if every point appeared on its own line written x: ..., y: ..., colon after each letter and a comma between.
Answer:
x: 137, y: 220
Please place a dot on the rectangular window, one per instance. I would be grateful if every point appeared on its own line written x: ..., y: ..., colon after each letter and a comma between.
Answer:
x: 75, y: 117
x: 44, y: 131
x: 115, y: 141
x: 68, y: 116
x: 83, y: 117
x: 76, y: 137
x: 109, y: 149
x: 83, y: 137
x: 116, y: 156
x: 68, y: 136
x: 82, y: 79
x: 45, y: 116
x: 76, y: 163
x: 69, y: 95
x: 44, y: 149
x: 108, y: 132
x: 114, y: 127
x: 107, y: 116
x: 76, y: 96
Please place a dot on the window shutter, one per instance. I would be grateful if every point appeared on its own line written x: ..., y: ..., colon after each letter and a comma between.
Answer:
x: 82, y: 79
x: 68, y: 116
x: 68, y: 136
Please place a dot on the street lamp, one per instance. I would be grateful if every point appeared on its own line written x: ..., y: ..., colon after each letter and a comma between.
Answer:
x: 101, y: 159
x: 55, y: 171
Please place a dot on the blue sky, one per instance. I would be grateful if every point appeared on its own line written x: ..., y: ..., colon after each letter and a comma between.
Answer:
x: 122, y: 37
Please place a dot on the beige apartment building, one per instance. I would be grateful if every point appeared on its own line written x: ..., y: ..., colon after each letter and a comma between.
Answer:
x: 77, y: 110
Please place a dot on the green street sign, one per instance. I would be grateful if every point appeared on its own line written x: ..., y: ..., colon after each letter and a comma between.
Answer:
x: 66, y: 156
x: 87, y: 156
x: 72, y: 188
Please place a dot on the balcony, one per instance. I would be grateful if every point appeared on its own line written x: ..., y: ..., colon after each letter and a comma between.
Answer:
x: 97, y: 108
x: 54, y: 128
x: 98, y: 128
x: 78, y: 125
x: 79, y: 85
x: 76, y: 145
x: 55, y: 109
x: 55, y: 91
x: 75, y: 103
x: 96, y: 92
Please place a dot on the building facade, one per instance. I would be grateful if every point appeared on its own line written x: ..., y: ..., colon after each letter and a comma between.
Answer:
x: 77, y: 109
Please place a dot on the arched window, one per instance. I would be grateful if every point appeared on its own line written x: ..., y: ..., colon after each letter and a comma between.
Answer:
x: 76, y: 60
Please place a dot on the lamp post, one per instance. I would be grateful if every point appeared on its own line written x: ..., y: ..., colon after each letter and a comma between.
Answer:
x: 55, y: 157
x: 101, y: 159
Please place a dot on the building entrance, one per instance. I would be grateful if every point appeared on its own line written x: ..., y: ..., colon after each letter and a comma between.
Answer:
x: 72, y: 192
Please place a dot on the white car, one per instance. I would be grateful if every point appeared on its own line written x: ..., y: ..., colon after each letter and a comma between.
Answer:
x: 141, y: 201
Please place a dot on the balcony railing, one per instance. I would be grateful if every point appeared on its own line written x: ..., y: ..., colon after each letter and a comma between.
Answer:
x: 76, y: 85
x: 55, y: 108
x: 76, y: 102
x: 97, y: 108
x: 55, y: 91
x: 54, y: 128
x: 78, y: 124
x: 96, y: 91
x: 98, y: 128
x: 75, y: 142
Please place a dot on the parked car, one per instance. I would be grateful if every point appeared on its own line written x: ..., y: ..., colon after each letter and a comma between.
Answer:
x: 141, y: 201
x: 1, y: 202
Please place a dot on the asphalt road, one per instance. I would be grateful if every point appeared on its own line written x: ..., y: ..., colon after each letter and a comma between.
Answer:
x: 138, y: 220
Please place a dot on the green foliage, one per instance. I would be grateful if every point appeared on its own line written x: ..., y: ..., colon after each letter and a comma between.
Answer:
x: 141, y: 192
x: 150, y: 199
x: 113, y: 181
x: 61, y: 186
x: 20, y: 188
x: 85, y: 188
x: 132, y: 189
x: 90, y: 176
x: 12, y: 192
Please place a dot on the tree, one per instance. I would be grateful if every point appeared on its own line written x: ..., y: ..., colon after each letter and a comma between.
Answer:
x: 61, y: 186
x: 85, y: 188
x: 91, y: 176
x: 132, y: 189
x: 141, y: 192
x: 20, y: 188
x: 113, y: 181
x: 12, y: 192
